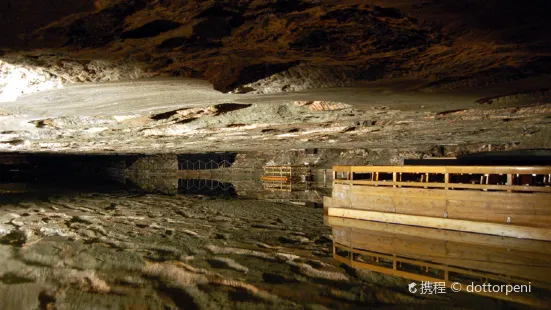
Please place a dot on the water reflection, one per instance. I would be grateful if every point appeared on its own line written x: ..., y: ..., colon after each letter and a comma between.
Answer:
x: 141, y: 230
x: 431, y: 255
x: 205, y: 187
x: 138, y: 233
x: 188, y: 174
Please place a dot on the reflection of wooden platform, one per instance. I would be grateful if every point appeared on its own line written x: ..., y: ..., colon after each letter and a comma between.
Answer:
x: 507, y: 201
x: 277, y: 179
x: 424, y: 254
x: 12, y: 159
x: 13, y: 188
x: 444, y: 235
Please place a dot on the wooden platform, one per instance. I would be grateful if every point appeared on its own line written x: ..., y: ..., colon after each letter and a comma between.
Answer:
x: 504, y: 201
x: 286, y: 178
x: 426, y: 254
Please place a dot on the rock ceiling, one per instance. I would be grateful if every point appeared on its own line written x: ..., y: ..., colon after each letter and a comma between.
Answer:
x: 404, y: 63
x: 272, y: 46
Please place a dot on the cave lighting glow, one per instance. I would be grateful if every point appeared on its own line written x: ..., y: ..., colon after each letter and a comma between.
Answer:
x: 17, y: 80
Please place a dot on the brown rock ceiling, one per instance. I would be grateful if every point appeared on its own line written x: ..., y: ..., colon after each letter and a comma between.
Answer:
x: 449, y: 44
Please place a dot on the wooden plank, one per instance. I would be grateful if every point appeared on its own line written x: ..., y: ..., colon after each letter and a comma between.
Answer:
x: 399, y: 192
x: 403, y: 169
x: 494, y: 213
x: 499, y: 169
x: 500, y: 197
x: 514, y: 188
x: 520, y: 209
x: 327, y: 201
x: 449, y: 186
x: 452, y: 224
x: 342, y: 168
x: 275, y: 178
x: 341, y: 196
x: 374, y: 203
x: 439, y: 234
x: 527, y: 209
x: 539, y: 200
x: 419, y: 206
x: 520, y: 220
x: 448, y: 169
x: 495, y: 207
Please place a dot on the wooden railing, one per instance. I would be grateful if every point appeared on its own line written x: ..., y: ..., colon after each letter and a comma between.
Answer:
x: 285, y: 178
x: 494, y: 178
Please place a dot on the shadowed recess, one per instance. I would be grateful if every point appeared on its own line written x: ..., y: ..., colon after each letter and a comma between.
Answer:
x: 151, y: 29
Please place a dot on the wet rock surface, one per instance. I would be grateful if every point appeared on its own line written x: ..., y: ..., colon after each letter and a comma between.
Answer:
x: 169, y: 252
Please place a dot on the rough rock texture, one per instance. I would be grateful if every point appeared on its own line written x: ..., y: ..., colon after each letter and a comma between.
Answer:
x: 410, y: 61
x: 273, y: 46
x: 34, y: 74
x: 301, y: 124
x: 302, y: 77
x: 134, y: 251
x: 18, y: 80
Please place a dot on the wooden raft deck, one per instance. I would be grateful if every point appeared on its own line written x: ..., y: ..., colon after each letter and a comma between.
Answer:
x: 504, y: 201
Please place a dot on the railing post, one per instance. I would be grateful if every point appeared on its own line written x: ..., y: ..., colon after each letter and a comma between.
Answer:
x: 426, y: 178
x: 350, y: 184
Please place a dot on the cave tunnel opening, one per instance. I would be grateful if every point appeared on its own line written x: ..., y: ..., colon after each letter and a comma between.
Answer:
x: 49, y: 173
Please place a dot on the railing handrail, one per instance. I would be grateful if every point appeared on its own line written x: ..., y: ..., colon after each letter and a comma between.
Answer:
x: 447, y: 169
x: 450, y: 177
